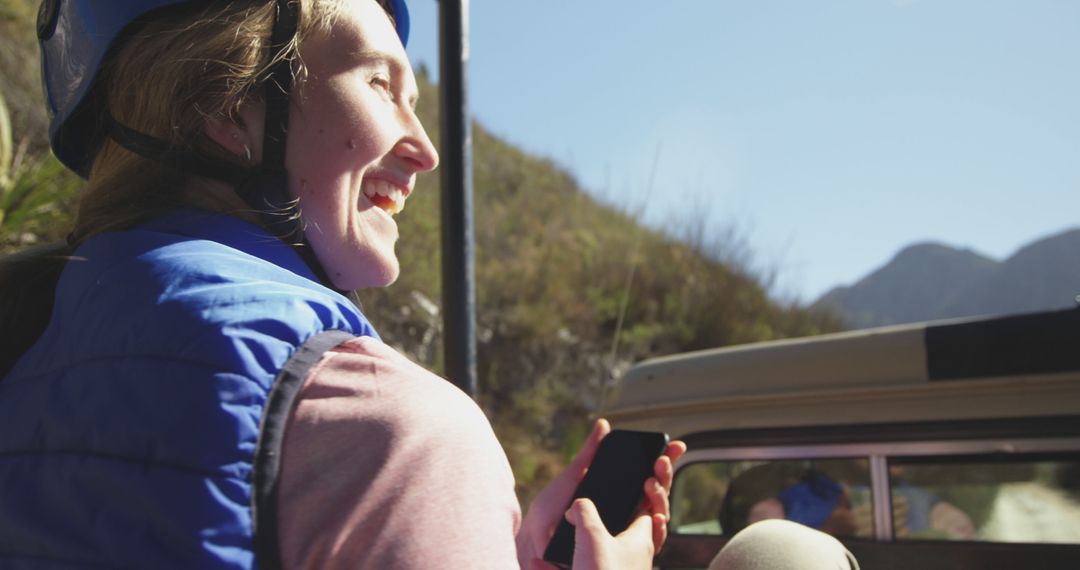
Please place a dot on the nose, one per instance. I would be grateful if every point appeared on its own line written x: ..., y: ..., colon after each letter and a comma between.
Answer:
x: 416, y: 148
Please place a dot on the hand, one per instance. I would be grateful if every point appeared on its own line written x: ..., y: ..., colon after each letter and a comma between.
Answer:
x: 595, y: 549
x: 955, y: 523
x: 657, y: 490
x: 549, y: 507
x: 864, y: 517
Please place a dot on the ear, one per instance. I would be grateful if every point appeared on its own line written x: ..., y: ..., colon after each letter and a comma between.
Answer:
x: 240, y: 135
x: 229, y: 135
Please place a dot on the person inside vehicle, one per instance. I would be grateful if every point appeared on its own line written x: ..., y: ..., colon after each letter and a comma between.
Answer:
x: 781, y: 516
x: 200, y: 393
x: 921, y: 513
x: 780, y: 491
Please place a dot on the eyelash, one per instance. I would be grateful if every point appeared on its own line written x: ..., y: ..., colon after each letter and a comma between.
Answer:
x: 383, y: 82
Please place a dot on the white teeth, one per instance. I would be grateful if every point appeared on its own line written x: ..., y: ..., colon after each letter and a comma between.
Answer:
x: 398, y: 201
x: 377, y: 187
x: 372, y: 188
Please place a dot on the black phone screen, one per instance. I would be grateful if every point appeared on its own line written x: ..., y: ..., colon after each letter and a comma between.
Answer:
x: 615, y: 482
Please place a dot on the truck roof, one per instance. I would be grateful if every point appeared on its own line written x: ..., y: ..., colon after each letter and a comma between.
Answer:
x: 979, y: 368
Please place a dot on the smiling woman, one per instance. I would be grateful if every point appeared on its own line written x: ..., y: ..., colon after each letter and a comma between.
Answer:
x: 200, y: 393
x: 358, y: 147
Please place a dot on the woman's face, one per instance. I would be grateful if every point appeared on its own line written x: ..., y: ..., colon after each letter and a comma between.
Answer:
x: 355, y: 145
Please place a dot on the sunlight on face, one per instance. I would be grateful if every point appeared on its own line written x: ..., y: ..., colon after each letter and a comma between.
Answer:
x: 355, y: 145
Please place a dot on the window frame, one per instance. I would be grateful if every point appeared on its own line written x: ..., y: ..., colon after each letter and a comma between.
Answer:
x: 878, y: 455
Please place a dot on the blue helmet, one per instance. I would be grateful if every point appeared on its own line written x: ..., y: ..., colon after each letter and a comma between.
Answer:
x: 76, y: 36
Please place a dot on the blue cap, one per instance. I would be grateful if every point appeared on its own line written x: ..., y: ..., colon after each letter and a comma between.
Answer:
x: 811, y: 501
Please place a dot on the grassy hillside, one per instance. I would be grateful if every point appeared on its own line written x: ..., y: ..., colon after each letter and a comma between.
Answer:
x: 553, y: 268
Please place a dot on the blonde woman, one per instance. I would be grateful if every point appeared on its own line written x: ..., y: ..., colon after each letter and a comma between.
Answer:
x: 190, y: 388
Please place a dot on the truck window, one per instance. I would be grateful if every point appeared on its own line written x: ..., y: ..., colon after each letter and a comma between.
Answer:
x: 1027, y: 499
x: 722, y: 497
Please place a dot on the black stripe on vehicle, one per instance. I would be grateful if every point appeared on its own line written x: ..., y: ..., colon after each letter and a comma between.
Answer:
x: 267, y: 464
x: 1039, y: 343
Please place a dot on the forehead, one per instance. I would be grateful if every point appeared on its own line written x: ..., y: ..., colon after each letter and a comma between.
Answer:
x: 360, y: 25
x: 361, y: 33
x: 361, y: 36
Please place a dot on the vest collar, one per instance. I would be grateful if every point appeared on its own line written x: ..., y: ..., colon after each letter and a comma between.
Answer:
x: 233, y: 232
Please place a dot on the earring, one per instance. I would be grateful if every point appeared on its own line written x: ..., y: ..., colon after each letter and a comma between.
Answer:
x: 247, y: 153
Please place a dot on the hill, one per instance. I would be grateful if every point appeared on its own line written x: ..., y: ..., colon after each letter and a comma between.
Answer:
x: 553, y: 267
x: 936, y: 281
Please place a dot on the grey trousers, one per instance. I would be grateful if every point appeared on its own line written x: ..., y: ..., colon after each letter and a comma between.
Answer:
x: 778, y: 544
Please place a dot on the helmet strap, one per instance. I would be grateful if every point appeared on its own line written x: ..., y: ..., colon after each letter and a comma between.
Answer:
x: 176, y: 157
x: 265, y: 188
x: 279, y: 86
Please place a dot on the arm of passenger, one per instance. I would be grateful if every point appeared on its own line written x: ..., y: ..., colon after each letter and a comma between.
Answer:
x: 385, y: 465
x: 955, y: 523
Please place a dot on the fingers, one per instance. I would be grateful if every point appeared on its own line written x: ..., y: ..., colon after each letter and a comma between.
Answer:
x: 659, y: 507
x: 657, y: 498
x: 657, y: 489
x: 588, y: 450
x: 642, y: 532
x: 594, y: 548
x: 663, y: 468
x: 659, y: 531
x: 663, y: 472
x: 590, y: 534
x: 549, y: 507
x: 675, y: 450
x: 585, y: 518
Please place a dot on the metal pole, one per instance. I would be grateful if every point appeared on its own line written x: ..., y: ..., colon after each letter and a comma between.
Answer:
x: 458, y: 241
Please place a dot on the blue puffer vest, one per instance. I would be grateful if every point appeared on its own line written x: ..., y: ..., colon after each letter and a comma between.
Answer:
x: 143, y: 429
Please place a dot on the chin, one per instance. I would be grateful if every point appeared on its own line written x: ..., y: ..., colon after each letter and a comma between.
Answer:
x: 366, y: 276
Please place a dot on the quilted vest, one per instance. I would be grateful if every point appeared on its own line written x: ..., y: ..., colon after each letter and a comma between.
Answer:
x: 143, y: 429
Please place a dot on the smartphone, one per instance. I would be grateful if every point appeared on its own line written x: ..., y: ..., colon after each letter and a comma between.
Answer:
x: 615, y: 482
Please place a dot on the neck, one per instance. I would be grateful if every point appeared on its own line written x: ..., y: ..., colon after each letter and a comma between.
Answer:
x: 217, y: 196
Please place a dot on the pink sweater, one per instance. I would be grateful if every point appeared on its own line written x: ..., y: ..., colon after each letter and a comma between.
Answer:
x: 388, y: 466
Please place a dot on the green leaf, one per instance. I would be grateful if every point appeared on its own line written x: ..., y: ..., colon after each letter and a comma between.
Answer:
x: 5, y: 146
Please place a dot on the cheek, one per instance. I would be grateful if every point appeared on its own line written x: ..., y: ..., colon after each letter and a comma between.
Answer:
x: 348, y: 112
x: 335, y: 136
x: 329, y: 148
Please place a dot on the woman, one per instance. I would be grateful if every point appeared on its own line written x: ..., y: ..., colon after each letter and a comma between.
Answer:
x: 202, y: 395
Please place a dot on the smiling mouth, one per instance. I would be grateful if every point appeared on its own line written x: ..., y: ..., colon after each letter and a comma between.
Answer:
x: 387, y: 196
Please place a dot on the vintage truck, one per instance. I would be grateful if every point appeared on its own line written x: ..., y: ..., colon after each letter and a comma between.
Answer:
x: 951, y: 444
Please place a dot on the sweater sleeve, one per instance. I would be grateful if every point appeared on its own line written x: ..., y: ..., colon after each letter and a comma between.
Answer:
x: 385, y: 465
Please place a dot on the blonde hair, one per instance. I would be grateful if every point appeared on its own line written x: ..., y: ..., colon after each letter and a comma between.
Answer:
x: 167, y: 78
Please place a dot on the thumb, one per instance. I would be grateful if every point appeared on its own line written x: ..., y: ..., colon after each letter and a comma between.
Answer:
x: 641, y: 529
x: 585, y: 455
x: 590, y: 535
x: 585, y: 518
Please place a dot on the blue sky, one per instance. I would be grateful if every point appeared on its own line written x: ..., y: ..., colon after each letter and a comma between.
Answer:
x: 828, y: 133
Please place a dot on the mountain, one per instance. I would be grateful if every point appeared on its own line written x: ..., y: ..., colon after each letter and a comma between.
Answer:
x: 930, y: 281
